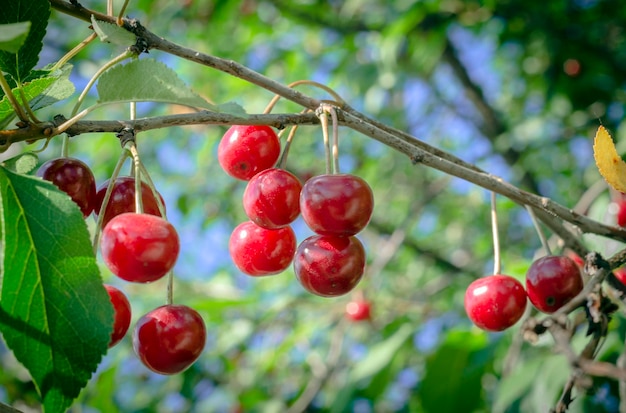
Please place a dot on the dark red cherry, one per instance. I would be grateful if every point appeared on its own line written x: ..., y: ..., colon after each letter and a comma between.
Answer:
x: 73, y: 177
x: 123, y: 199
x: 340, y: 204
x: 328, y: 265
x: 169, y: 338
x: 552, y: 281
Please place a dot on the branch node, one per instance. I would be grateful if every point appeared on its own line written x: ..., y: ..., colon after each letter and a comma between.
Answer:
x: 125, y: 136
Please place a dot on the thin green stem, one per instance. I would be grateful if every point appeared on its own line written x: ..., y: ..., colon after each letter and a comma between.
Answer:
x: 107, y: 196
x: 542, y: 237
x: 283, y: 157
x: 120, y: 16
x: 69, y: 55
x: 497, y: 262
x: 148, y: 180
x: 333, y: 115
x: 95, y: 77
x: 19, y: 111
x: 169, y: 299
x: 338, y: 99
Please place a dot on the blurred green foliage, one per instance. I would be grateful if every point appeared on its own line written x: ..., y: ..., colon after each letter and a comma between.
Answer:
x: 518, y: 88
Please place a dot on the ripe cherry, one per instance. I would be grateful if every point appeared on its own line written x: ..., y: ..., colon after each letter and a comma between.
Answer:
x: 123, y: 199
x: 259, y: 251
x: 73, y: 177
x: 552, y: 281
x: 359, y: 310
x: 339, y: 204
x: 139, y: 247
x: 620, y: 274
x: 328, y: 265
x: 496, y: 302
x: 169, y: 338
x: 246, y: 150
x: 122, y: 317
x: 272, y: 198
x: 621, y: 213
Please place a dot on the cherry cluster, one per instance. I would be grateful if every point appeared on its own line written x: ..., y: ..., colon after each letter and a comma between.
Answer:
x: 334, y: 206
x: 496, y: 302
x: 137, y: 247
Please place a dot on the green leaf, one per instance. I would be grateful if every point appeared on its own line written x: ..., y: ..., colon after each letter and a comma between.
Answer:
x: 55, y: 315
x: 112, y: 33
x: 147, y: 80
x: 13, y: 36
x: 452, y: 382
x: 41, y: 92
x: 22, y: 163
x: 37, y: 12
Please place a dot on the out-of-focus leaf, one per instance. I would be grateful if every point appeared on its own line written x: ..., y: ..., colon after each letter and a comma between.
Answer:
x: 112, y: 33
x: 13, y: 35
x: 22, y: 163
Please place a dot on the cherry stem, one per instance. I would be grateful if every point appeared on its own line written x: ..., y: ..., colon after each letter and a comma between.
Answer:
x: 338, y: 99
x: 120, y: 21
x: 137, y: 172
x: 497, y: 262
x: 150, y: 183
x: 107, y: 196
x: 542, y: 237
x: 333, y: 115
x: 323, y: 116
x: 283, y: 157
x: 169, y: 298
x: 69, y: 55
x: 95, y: 77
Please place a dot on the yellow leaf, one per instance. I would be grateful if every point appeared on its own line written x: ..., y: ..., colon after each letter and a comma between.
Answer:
x: 610, y: 164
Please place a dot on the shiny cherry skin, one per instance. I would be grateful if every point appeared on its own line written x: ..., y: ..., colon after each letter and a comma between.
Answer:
x: 246, y: 150
x: 621, y: 213
x: 620, y: 274
x: 552, y: 281
x: 359, y: 310
x: 328, y: 265
x: 259, y: 251
x: 73, y: 177
x: 272, y: 198
x: 123, y: 199
x: 495, y: 302
x: 139, y: 247
x: 121, y: 320
x: 339, y: 204
x: 169, y: 338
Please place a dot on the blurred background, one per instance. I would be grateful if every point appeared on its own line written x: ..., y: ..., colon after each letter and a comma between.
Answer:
x: 516, y: 87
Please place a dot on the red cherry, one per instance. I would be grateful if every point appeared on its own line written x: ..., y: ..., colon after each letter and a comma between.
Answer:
x: 246, y: 150
x: 552, y: 281
x: 496, y: 302
x: 169, y: 338
x: 621, y: 213
x: 139, y: 247
x: 123, y: 199
x: 329, y: 265
x: 272, y: 198
x: 620, y: 274
x: 259, y: 251
x: 73, y: 177
x: 359, y: 310
x: 121, y: 320
x: 340, y: 204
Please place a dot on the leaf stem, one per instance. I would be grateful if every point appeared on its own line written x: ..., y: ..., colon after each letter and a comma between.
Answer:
x: 497, y: 262
x: 19, y: 111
